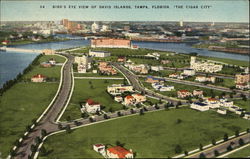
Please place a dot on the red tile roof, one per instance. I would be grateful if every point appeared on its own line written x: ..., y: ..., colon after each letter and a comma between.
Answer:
x: 212, y: 99
x: 183, y: 91
x: 91, y: 102
x: 119, y: 151
x: 39, y: 76
x: 129, y: 97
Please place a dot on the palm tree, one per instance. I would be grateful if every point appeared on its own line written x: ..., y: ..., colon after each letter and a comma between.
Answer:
x: 241, y: 142
x: 43, y: 133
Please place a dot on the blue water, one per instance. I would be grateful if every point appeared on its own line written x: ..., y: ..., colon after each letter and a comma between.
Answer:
x: 12, y: 63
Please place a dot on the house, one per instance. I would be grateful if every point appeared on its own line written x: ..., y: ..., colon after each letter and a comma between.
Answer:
x: 239, y: 111
x: 91, y: 106
x: 140, y: 68
x: 38, y: 78
x: 242, y: 86
x: 48, y: 52
x: 213, y: 102
x: 205, y: 79
x: 189, y: 72
x: 105, y: 68
x: 118, y: 89
x: 161, y: 87
x: 5, y: 42
x: 222, y: 111
x: 139, y: 98
x: 81, y: 68
x: 99, y: 53
x: 129, y: 100
x: 121, y: 59
x: 198, y: 93
x: 183, y: 94
x: 119, y: 152
x: 247, y: 115
x: 173, y: 75
x: 118, y: 99
x: 52, y: 61
x: 100, y: 148
x: 227, y: 103
x: 156, y: 68
x: 242, y: 78
x: 165, y: 62
x: 151, y: 79
x: 46, y: 64
x: 233, y: 108
x: 199, y: 106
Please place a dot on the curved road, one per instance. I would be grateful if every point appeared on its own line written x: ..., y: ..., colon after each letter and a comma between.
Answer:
x: 47, y: 121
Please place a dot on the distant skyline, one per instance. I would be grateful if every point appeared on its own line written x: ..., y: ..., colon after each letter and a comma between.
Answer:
x: 220, y: 11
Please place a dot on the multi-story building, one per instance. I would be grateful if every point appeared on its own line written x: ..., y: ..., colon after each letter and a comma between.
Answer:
x: 205, y: 79
x: 198, y: 93
x: 199, y: 106
x: 110, y: 43
x: 99, y: 53
x: 183, y: 93
x: 91, y: 106
x: 141, y: 68
x: 242, y: 78
x: 204, y: 66
x: 84, y: 63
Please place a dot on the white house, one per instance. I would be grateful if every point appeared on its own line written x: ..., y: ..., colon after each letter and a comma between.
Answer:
x: 213, y: 103
x: 99, y: 53
x: 222, y: 111
x: 157, y: 68
x: 205, y: 79
x: 204, y: 66
x: 118, y: 99
x: 117, y: 89
x: 199, y: 106
x: 100, y: 148
x: 233, y: 108
x: 161, y: 87
x: 91, y: 106
x: 189, y: 72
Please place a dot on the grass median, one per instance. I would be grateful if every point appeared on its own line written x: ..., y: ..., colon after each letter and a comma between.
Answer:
x: 152, y: 135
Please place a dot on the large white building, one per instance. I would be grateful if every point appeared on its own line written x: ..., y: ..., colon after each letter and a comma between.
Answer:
x: 118, y: 89
x: 99, y: 53
x: 94, y: 27
x: 84, y: 63
x: 91, y: 106
x: 204, y: 66
x: 189, y: 72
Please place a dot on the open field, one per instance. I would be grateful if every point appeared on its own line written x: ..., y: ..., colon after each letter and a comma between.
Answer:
x: 229, y: 61
x: 243, y: 104
x: 97, y: 75
x: 243, y: 153
x: 83, y: 91
x: 154, y: 134
x: 51, y: 72
x: 18, y: 107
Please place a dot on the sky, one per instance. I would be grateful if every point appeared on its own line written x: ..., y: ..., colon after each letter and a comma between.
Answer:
x: 218, y: 11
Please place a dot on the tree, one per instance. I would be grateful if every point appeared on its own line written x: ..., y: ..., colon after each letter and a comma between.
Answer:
x: 225, y: 137
x: 43, y: 151
x: 202, y: 155
x: 178, y: 104
x: 105, y: 116
x: 178, y: 149
x: 84, y: 115
x: 213, y: 142
x: 201, y: 147
x: 119, y: 113
x: 111, y: 109
x: 166, y: 106
x: 43, y: 133
x: 241, y: 142
x: 178, y: 121
x: 132, y: 111
x: 216, y: 153
x: 38, y: 140
x: 12, y: 152
x: 60, y: 126
x: 141, y: 112
x: 229, y: 148
x: 68, y: 118
x: 33, y: 148
x: 68, y: 129
x: 248, y: 130
x: 186, y: 153
x: 118, y: 143
x: 237, y: 133
x: 28, y: 128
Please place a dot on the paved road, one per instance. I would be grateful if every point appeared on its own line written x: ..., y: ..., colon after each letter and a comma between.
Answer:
x: 222, y: 148
x: 47, y: 122
x: 137, y: 86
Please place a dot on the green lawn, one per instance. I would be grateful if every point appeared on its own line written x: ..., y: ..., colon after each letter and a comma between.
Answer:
x: 89, y: 74
x: 229, y: 61
x: 83, y: 91
x: 243, y: 104
x: 152, y: 135
x: 243, y: 153
x: 18, y: 106
x: 51, y: 72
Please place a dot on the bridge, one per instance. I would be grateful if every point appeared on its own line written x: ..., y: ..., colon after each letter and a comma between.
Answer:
x: 9, y: 49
